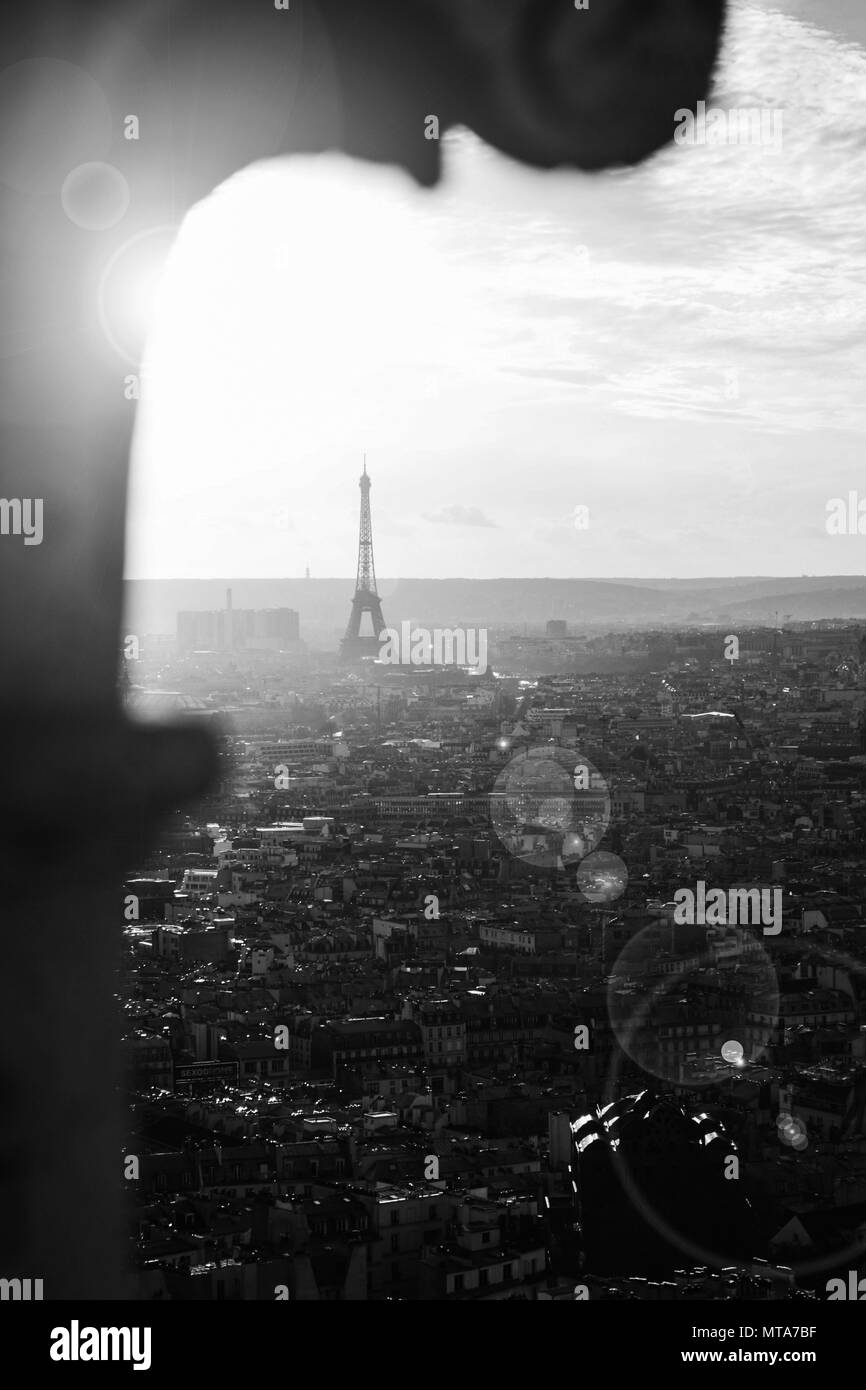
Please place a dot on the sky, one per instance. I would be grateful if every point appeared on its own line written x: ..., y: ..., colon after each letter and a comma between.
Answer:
x: 678, y: 349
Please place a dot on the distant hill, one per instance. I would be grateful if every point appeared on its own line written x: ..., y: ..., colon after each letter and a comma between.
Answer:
x: 152, y: 605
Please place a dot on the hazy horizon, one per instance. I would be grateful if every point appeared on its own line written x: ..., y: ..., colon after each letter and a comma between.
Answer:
x: 324, y: 603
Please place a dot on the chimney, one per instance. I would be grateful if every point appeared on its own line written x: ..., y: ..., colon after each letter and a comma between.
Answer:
x: 229, y: 600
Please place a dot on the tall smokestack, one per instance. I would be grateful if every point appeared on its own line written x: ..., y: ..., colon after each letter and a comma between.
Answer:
x: 229, y: 600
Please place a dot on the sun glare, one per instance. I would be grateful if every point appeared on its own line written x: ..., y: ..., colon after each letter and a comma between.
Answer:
x: 295, y: 302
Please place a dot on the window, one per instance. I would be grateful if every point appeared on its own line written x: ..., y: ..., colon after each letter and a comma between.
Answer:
x: 395, y: 1244
x: 458, y: 1283
x: 482, y: 1278
x: 485, y: 1239
x: 395, y: 1217
x: 432, y: 1214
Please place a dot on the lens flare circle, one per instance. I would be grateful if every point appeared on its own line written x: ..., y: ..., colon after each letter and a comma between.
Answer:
x: 550, y: 807
x: 95, y: 196
x: 57, y: 116
x: 655, y: 996
x: 602, y: 877
x: 801, y: 1269
x: 128, y: 288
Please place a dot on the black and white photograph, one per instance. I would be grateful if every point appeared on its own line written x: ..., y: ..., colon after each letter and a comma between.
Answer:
x: 433, y: 679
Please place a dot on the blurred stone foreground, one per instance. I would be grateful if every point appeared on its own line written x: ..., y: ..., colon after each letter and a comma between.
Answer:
x: 82, y: 790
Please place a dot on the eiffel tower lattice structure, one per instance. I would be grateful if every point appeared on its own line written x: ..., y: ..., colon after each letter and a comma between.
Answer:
x: 355, y: 647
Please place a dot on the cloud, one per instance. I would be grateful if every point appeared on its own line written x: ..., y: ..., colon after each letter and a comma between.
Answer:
x: 459, y: 516
x: 672, y: 345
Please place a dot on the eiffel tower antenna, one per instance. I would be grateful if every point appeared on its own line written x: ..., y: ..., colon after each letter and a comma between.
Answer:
x: 366, y: 599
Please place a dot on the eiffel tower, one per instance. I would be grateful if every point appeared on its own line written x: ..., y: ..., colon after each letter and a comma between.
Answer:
x: 354, y: 647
